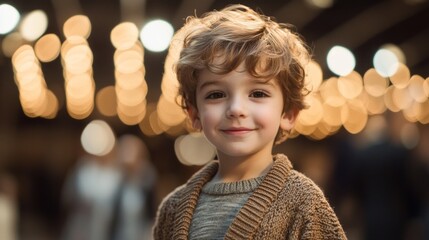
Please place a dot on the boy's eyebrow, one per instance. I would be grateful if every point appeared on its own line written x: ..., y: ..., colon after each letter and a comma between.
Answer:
x: 208, y: 83
x: 269, y: 82
x: 253, y: 80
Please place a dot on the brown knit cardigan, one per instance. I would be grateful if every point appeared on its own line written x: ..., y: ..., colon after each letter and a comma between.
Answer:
x: 286, y: 205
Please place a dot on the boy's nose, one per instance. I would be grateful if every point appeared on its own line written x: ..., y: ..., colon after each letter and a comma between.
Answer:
x: 236, y: 108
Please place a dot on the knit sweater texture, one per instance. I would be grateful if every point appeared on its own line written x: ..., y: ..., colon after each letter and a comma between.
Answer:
x: 285, y: 205
x: 217, y: 207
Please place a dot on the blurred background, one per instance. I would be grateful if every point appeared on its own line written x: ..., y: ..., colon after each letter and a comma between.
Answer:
x: 91, y: 139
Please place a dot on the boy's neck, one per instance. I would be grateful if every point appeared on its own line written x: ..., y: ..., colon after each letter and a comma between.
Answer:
x: 238, y: 169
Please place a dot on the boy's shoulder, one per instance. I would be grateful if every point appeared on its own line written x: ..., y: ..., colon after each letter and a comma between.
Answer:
x: 295, y: 180
x: 302, y: 192
x: 300, y: 183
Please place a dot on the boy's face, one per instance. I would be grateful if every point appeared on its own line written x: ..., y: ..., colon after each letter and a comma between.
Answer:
x: 238, y: 113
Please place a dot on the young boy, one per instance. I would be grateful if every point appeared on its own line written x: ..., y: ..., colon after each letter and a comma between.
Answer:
x: 241, y: 79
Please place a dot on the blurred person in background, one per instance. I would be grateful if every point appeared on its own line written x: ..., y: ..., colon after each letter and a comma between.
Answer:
x: 88, y: 197
x: 134, y: 207
x: 377, y: 200
x: 110, y: 197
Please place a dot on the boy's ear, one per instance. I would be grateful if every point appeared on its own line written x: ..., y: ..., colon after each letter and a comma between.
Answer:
x: 287, y: 122
x: 193, y: 116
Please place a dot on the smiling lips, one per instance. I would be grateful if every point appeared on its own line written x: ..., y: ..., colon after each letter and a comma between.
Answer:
x: 237, y: 131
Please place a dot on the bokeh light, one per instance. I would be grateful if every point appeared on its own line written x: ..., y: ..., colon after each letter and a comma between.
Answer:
x: 374, y: 83
x: 48, y: 47
x: 401, y: 77
x: 341, y: 60
x: 124, y: 35
x: 194, y: 149
x: 105, y: 101
x: 156, y: 35
x: 130, y: 84
x: 314, y: 76
x: 351, y: 85
x: 78, y: 25
x: 33, y: 25
x: 385, y: 62
x: 9, y: 18
x: 98, y: 138
x: 416, y: 88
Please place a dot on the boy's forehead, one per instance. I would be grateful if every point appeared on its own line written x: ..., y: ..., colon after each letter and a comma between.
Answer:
x: 207, y: 73
x: 261, y: 63
x: 207, y: 77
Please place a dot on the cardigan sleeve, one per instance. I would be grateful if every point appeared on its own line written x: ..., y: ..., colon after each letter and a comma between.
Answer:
x: 320, y: 220
x: 164, y: 221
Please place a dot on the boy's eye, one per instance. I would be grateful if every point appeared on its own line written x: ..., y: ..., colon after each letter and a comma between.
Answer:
x: 215, y: 95
x: 258, y: 94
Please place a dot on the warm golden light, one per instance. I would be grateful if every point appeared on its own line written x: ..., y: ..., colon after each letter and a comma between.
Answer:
x: 410, y: 113
x: 388, y: 100
x: 78, y: 25
x: 354, y: 116
x: 131, y: 97
x: 170, y: 86
x: 402, y: 76
x: 48, y: 47
x: 401, y: 98
x: 33, y: 25
x: 350, y: 86
x: 79, y: 112
x: 154, y: 123
x: 423, y: 112
x: 144, y: 125
x: 51, y: 108
x: 331, y: 115
x: 170, y: 113
x: 330, y: 93
x: 130, y: 80
x: 78, y: 59
x: 71, y: 42
x: 169, y: 83
x: 304, y: 129
x: 132, y: 111
x: 416, y: 88
x: 128, y: 61
x: 374, y: 105
x: 314, y: 76
x: 194, y: 149
x: 124, y: 35
x: 131, y: 119
x: 313, y: 114
x: 79, y: 86
x: 375, y: 84
x: 105, y: 101
x: 130, y: 86
x: 35, y: 98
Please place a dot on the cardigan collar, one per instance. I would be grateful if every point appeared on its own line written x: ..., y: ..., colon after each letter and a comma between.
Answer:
x: 250, y: 215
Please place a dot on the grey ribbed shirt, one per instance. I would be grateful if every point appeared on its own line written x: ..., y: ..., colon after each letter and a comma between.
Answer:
x: 217, y: 207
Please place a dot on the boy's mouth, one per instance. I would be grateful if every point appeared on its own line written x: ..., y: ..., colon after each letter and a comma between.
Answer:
x: 237, y: 131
